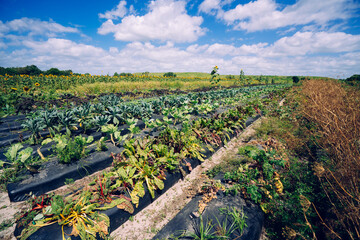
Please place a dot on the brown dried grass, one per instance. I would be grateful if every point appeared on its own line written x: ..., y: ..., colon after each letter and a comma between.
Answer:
x: 335, y: 110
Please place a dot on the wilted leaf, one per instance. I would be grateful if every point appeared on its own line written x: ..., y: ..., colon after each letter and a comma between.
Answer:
x: 74, y: 231
x: 127, y: 206
x: 159, y: 183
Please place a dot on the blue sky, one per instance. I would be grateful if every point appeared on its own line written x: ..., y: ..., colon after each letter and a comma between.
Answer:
x: 269, y: 37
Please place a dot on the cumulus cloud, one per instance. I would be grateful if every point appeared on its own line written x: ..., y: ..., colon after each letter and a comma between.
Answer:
x: 167, y: 20
x: 208, y: 6
x: 267, y: 14
x: 63, y: 47
x: 115, y: 13
x: 303, y: 43
x: 15, y: 32
x: 303, y: 53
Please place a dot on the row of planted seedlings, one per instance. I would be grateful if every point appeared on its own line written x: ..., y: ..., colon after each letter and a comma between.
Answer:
x: 111, y: 106
x: 70, y: 131
x: 143, y: 170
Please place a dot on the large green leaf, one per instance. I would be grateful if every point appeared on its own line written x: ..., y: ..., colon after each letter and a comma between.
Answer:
x: 12, y: 152
x: 46, y: 141
x: 90, y: 139
x: 25, y: 154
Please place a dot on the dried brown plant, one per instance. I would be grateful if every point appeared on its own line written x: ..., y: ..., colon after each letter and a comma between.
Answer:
x: 335, y: 111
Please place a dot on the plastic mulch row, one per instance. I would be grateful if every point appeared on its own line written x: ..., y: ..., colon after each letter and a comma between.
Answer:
x: 186, y: 222
x: 118, y: 216
x: 55, y: 174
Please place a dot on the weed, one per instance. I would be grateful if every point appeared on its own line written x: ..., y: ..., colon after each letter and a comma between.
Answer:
x: 69, y: 181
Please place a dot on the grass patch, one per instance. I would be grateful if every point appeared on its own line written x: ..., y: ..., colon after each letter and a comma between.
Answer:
x: 123, y: 86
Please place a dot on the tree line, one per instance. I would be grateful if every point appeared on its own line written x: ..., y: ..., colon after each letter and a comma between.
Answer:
x: 33, y: 70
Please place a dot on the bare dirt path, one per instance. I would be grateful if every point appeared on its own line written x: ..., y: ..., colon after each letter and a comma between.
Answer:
x: 149, y: 221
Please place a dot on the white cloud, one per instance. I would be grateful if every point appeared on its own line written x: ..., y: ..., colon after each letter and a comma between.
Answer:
x: 166, y: 20
x: 63, y: 47
x: 34, y: 27
x: 266, y: 14
x: 116, y: 13
x: 294, y: 55
x: 208, y: 6
x: 303, y: 43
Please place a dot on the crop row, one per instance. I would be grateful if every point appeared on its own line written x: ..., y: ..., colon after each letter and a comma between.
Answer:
x: 111, y: 109
x: 109, y: 116
x: 142, y: 167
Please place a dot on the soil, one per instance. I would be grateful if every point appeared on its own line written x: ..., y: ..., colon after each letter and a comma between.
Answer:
x: 149, y: 221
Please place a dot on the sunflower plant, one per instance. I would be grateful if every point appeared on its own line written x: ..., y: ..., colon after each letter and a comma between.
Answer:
x: 215, y: 76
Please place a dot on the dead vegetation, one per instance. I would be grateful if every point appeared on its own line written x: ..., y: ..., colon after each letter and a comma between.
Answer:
x: 333, y: 115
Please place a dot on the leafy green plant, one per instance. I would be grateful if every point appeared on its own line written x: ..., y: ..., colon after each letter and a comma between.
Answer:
x: 49, y: 118
x: 100, y: 145
x: 115, y: 114
x: 165, y: 156
x: 68, y: 149
x: 82, y: 114
x: 67, y: 120
x: 183, y: 142
x: 17, y: 156
x: 125, y: 178
x: 254, y: 193
x: 114, y: 132
x: 99, y: 121
x: 139, y: 155
x: 34, y: 125
x: 69, y: 181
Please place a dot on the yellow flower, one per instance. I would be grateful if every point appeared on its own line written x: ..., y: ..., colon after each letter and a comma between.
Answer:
x: 26, y: 89
x: 15, y: 89
x: 37, y: 84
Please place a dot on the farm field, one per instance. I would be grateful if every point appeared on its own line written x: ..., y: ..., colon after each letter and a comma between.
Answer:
x: 83, y: 156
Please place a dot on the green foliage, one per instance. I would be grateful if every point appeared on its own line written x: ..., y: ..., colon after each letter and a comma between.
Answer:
x: 238, y: 219
x: 69, y: 181
x: 100, y: 145
x: 254, y: 193
x: 295, y: 79
x: 241, y: 78
x: 125, y: 74
x: 18, y: 158
x: 249, y: 150
x: 68, y: 149
x: 214, y: 76
x: 34, y: 125
x: 169, y: 74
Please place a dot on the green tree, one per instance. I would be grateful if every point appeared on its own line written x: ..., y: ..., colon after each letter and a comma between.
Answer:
x: 295, y: 79
x: 169, y: 74
x: 53, y: 71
